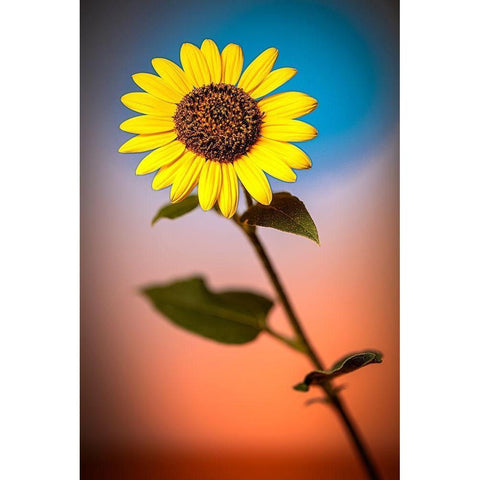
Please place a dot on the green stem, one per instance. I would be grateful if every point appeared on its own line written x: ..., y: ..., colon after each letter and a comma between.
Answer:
x: 292, y: 343
x: 335, y: 399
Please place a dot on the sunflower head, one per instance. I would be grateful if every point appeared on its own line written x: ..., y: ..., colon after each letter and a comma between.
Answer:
x: 210, y: 125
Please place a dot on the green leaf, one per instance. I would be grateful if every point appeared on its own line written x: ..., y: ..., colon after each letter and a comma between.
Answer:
x: 286, y: 213
x: 301, y: 387
x: 228, y: 317
x: 347, y: 364
x: 175, y: 210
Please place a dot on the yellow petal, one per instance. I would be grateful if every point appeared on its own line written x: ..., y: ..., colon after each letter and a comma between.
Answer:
x: 257, y: 71
x: 293, y: 156
x: 186, y: 179
x: 172, y: 74
x: 214, y: 62
x: 160, y: 157
x: 271, y: 163
x: 287, y: 105
x: 228, y: 196
x: 289, y: 131
x: 195, y: 64
x: 157, y: 87
x: 232, y: 63
x: 147, y: 124
x: 209, y: 184
x: 143, y: 143
x: 253, y: 179
x: 145, y: 103
x: 273, y: 80
x: 166, y: 175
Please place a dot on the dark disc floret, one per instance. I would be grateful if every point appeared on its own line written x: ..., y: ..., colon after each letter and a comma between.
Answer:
x: 218, y: 121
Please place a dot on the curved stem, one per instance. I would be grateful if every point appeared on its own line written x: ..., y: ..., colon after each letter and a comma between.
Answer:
x: 308, y: 349
x: 292, y: 343
x: 275, y: 279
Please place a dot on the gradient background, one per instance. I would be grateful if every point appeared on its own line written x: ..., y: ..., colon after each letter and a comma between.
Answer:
x: 158, y: 402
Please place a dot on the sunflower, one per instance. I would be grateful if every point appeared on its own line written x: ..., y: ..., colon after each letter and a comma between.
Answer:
x: 209, y: 124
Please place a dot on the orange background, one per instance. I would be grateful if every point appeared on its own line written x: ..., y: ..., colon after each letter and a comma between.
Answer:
x: 150, y: 388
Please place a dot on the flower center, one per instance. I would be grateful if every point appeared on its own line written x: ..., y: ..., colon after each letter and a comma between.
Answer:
x: 218, y: 121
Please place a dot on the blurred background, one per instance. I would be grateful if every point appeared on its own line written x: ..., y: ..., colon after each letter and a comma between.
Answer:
x: 159, y: 402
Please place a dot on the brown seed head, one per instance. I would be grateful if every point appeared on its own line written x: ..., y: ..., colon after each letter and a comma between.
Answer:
x: 218, y: 121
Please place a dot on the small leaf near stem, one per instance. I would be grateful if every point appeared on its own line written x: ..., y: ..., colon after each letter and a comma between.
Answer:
x: 286, y: 213
x: 176, y: 210
x: 347, y: 364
